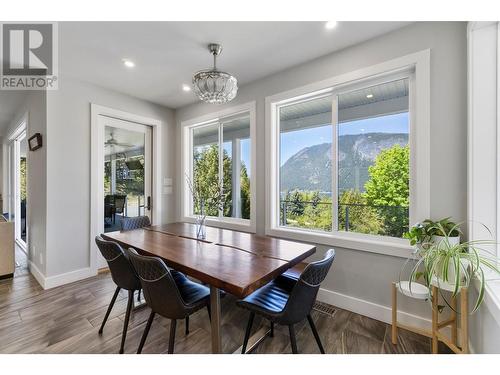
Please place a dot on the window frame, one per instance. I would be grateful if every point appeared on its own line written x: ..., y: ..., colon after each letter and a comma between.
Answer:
x: 417, y: 68
x: 187, y: 127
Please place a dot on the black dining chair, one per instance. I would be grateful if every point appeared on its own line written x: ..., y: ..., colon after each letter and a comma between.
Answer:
x: 288, y: 301
x: 168, y: 293
x: 130, y: 223
x: 123, y: 275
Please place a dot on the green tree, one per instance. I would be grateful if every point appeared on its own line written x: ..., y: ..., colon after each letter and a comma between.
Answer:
x: 206, y: 176
x: 362, y: 218
x: 296, y: 204
x: 22, y: 172
x: 388, y: 188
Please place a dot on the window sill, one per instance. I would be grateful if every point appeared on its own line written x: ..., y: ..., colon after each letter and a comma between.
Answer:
x: 242, y: 225
x: 380, y: 245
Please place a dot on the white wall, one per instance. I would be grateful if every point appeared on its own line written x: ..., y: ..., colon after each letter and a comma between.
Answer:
x: 68, y: 168
x: 361, y: 280
x: 484, y: 153
x: 34, y: 105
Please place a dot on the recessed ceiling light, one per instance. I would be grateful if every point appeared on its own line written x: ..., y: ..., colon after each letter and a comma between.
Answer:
x: 369, y: 96
x: 331, y: 25
x: 186, y: 87
x: 128, y: 63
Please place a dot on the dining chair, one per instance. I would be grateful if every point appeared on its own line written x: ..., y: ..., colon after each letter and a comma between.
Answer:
x: 288, y: 301
x: 123, y: 275
x: 120, y: 201
x: 130, y: 223
x: 168, y: 293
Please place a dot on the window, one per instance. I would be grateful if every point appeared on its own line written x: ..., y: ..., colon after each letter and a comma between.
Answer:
x: 350, y: 174
x: 348, y: 161
x: 220, y: 163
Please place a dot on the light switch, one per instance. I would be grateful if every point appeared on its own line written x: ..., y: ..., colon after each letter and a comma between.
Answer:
x: 167, y: 190
x: 167, y: 181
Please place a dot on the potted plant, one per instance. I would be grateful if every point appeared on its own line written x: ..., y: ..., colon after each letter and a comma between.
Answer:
x: 451, y: 265
x: 431, y: 232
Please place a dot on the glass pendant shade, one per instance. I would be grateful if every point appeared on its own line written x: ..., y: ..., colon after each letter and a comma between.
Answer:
x: 214, y: 86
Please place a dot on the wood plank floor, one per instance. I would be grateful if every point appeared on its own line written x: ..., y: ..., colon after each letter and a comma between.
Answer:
x: 66, y: 320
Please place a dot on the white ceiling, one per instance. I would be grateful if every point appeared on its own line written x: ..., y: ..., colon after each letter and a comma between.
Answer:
x: 167, y: 54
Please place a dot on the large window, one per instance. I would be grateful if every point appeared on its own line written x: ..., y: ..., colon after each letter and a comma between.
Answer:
x: 221, y: 165
x: 344, y: 160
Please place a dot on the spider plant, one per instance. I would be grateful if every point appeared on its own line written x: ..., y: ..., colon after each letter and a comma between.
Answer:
x: 457, y: 264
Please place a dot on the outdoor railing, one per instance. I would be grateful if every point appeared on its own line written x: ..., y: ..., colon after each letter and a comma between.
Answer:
x: 350, y: 214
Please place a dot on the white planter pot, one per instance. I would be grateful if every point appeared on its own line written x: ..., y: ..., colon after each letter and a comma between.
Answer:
x: 449, y: 285
x: 441, y: 240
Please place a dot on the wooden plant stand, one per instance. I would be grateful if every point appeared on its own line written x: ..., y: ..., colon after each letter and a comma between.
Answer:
x: 435, y: 334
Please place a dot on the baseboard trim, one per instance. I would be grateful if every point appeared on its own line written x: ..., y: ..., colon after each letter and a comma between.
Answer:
x: 69, y: 277
x: 37, y: 274
x: 371, y: 309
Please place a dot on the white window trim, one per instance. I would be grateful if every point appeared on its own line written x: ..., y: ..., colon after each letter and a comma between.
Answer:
x: 187, y: 167
x: 419, y: 63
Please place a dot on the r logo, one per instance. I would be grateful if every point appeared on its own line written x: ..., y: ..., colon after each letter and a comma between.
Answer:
x: 27, y: 49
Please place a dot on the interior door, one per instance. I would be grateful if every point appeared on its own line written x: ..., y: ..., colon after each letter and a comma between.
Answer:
x: 127, y: 173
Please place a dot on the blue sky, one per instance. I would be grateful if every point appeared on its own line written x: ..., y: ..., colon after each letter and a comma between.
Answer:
x: 292, y: 142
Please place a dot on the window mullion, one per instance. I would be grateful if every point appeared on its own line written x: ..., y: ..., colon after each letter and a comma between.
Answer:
x: 335, y: 169
x: 221, y: 166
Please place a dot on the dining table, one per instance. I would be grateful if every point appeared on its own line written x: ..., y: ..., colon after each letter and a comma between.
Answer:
x: 233, y: 261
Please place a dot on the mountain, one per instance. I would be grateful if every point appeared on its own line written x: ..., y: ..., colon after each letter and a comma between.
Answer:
x: 310, y: 168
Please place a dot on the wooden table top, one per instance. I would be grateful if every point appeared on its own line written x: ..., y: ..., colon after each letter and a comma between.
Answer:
x: 236, y: 262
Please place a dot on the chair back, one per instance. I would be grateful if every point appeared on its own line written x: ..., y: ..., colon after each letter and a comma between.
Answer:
x: 306, y: 289
x: 130, y: 223
x: 120, y: 203
x: 160, y: 290
x: 122, y: 271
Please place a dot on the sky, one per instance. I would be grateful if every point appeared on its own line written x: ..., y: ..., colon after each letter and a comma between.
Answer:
x: 292, y: 142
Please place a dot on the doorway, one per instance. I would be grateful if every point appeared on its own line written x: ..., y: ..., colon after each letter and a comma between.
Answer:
x: 125, y: 161
x: 127, y: 171
x: 18, y: 194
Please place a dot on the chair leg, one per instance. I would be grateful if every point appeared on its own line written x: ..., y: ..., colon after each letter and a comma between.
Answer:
x: 146, y: 331
x: 110, y: 307
x: 271, y: 334
x: 187, y: 325
x: 209, y: 313
x: 171, y: 341
x: 247, y: 333
x: 293, y: 340
x: 127, y: 317
x: 315, y: 333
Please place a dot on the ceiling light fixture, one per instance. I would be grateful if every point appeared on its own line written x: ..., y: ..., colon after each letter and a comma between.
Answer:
x: 128, y: 63
x: 212, y: 85
x: 186, y: 87
x: 369, y: 96
x: 331, y: 25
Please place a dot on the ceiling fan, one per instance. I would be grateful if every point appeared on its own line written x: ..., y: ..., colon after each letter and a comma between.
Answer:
x: 113, y: 142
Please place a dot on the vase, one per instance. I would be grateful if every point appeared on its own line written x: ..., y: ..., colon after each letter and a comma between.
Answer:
x: 201, y: 229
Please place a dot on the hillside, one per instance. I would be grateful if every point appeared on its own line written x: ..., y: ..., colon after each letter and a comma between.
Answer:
x: 309, y: 169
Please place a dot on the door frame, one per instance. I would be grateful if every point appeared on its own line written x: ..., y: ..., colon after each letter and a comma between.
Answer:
x: 97, y: 169
x: 14, y: 179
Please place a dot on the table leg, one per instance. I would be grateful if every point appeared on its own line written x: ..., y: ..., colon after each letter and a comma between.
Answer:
x: 215, y: 319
